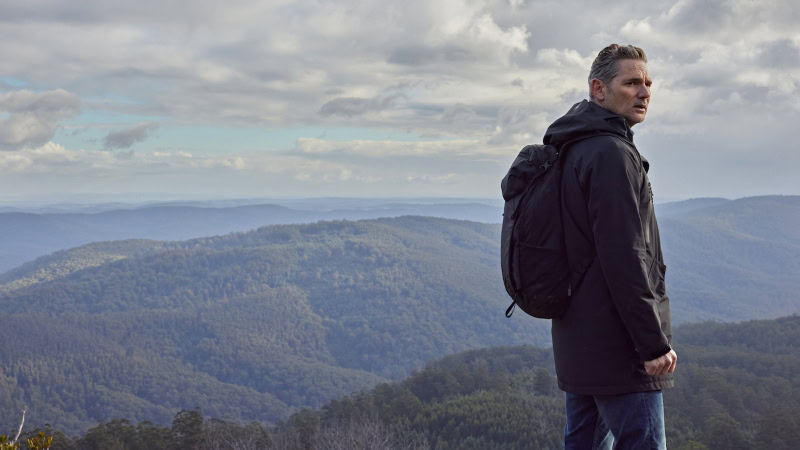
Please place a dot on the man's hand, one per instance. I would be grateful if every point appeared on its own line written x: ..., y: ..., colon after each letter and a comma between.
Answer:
x: 662, y: 365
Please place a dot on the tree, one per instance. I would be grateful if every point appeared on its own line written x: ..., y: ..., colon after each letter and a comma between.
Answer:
x: 724, y: 433
x: 38, y: 442
x: 778, y: 429
x: 187, y: 430
x: 543, y: 382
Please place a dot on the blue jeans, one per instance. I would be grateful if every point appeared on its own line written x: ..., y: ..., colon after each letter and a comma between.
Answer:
x: 626, y: 421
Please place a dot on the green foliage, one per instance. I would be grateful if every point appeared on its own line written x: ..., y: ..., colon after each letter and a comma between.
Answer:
x: 734, y: 396
x: 65, y: 262
x: 5, y: 444
x: 734, y: 260
x: 505, y: 398
x: 188, y: 431
x: 38, y: 442
x: 250, y: 326
x: 258, y: 325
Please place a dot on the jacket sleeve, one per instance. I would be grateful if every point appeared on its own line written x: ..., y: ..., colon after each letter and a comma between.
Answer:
x: 613, y: 181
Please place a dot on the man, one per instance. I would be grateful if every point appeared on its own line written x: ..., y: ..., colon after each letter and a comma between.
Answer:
x: 612, y: 347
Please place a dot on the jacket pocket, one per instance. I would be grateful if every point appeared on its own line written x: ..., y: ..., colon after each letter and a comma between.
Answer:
x: 543, y: 270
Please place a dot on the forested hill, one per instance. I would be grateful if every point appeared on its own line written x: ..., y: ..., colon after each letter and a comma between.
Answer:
x: 736, y: 389
x: 25, y: 236
x: 254, y: 325
x: 248, y: 325
x: 727, y: 259
x: 734, y: 260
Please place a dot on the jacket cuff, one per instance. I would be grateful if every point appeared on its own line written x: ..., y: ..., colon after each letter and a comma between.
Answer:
x: 655, y: 354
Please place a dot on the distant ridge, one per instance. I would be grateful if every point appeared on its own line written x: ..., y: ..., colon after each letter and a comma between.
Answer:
x: 734, y: 260
x: 25, y: 236
x: 685, y: 206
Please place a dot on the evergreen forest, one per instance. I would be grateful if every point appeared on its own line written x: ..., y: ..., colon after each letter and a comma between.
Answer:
x: 275, y: 328
x: 736, y: 388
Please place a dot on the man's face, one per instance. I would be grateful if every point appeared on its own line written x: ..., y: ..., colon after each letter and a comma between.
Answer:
x: 628, y: 94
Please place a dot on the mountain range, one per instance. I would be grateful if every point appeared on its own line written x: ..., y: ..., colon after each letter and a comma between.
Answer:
x: 735, y: 388
x: 26, y: 235
x: 254, y: 325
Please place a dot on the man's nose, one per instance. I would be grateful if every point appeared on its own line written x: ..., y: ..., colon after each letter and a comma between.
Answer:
x: 644, y: 91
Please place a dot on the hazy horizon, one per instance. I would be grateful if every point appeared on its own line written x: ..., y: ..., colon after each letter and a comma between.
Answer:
x: 139, y: 199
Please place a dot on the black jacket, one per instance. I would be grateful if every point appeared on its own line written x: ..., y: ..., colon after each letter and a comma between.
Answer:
x: 619, y: 311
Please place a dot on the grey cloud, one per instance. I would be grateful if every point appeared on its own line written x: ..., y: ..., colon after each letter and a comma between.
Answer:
x: 263, y: 72
x: 518, y: 126
x: 129, y: 136
x: 574, y: 95
x: 124, y: 155
x: 400, y: 87
x: 249, y: 64
x: 24, y: 130
x: 458, y: 113
x: 50, y: 105
x: 34, y: 116
x: 354, y: 106
x: 702, y: 15
x: 709, y: 18
x: 753, y: 94
x: 782, y: 53
x: 421, y: 55
x: 93, y: 11
x: 701, y: 77
x: 411, y: 56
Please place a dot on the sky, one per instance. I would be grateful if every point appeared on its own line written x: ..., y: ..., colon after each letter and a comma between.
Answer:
x: 165, y: 100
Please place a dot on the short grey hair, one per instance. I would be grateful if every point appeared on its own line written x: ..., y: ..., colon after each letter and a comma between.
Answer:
x: 605, y: 66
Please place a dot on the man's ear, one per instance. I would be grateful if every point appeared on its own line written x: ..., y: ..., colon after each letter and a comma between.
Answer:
x: 598, y: 90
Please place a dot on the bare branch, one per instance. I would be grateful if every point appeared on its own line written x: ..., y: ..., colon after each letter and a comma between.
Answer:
x: 21, y: 423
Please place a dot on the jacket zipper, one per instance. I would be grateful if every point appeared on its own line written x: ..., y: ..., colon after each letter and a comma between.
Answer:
x: 649, y: 214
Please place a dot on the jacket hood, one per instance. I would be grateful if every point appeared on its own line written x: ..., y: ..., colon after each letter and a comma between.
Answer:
x: 584, y: 119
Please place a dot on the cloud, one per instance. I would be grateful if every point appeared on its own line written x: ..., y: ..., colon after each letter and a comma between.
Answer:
x: 235, y: 163
x: 468, y: 78
x: 126, y: 138
x: 383, y: 149
x: 52, y: 158
x: 262, y: 71
x: 782, y: 53
x: 449, y: 178
x: 34, y: 116
x: 351, y: 106
x: 519, y: 127
x: 47, y: 158
x: 466, y: 37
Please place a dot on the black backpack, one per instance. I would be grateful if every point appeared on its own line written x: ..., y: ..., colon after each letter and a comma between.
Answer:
x: 533, y: 257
